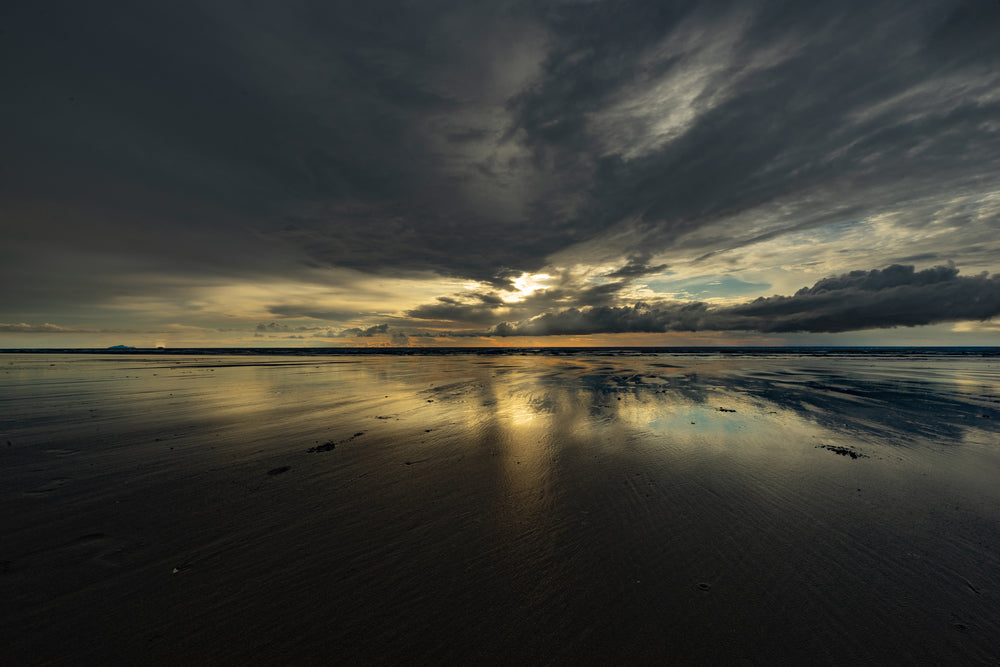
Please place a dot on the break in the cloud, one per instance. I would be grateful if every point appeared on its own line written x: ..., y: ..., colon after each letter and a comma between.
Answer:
x: 343, y: 165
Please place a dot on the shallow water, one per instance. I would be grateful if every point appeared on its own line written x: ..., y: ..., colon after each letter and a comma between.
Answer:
x: 468, y: 508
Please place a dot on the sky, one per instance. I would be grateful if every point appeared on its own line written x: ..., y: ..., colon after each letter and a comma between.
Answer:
x: 569, y: 172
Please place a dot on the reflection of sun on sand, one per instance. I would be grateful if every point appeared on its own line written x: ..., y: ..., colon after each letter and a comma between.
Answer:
x: 524, y: 442
x: 518, y: 432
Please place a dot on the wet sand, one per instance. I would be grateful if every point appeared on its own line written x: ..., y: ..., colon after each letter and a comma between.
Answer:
x: 585, y: 509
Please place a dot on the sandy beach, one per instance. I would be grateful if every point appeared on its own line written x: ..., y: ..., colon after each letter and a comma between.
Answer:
x: 502, y: 509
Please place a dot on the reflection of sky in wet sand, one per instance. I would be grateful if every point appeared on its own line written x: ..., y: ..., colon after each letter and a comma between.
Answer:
x: 527, y: 410
x: 886, y: 403
x: 520, y: 500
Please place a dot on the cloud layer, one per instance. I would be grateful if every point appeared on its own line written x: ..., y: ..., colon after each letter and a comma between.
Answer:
x: 165, y: 163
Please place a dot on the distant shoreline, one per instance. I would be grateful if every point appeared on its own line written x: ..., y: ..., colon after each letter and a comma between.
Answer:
x: 908, y: 350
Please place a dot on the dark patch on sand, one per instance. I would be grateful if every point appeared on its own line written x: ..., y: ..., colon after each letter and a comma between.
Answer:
x: 843, y: 451
x: 726, y: 410
x: 410, y: 463
x: 330, y: 445
x: 277, y: 471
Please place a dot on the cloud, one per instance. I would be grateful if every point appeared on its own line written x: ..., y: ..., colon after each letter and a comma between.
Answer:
x: 452, y: 310
x: 892, y: 297
x: 304, y: 310
x: 350, y: 141
x: 895, y: 296
x: 776, y: 107
x: 527, y: 295
x: 637, y: 266
x: 38, y: 328
x: 375, y: 330
x: 282, y: 327
x: 560, y: 124
x: 272, y: 326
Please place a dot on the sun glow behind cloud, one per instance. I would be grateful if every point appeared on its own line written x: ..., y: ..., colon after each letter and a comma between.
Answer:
x: 527, y: 284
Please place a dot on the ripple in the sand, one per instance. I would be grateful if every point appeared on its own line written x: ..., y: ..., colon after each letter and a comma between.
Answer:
x: 49, y: 487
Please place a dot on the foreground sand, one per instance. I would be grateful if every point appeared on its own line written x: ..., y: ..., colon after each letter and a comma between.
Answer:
x: 586, y: 509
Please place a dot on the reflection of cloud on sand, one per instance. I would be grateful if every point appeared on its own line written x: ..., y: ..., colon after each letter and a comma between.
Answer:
x: 535, y: 401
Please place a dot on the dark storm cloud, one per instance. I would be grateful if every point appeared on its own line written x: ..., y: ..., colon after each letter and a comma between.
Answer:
x: 245, y: 137
x: 637, y: 266
x: 609, y: 319
x: 846, y: 107
x: 261, y: 140
x: 895, y: 296
x: 452, y: 310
